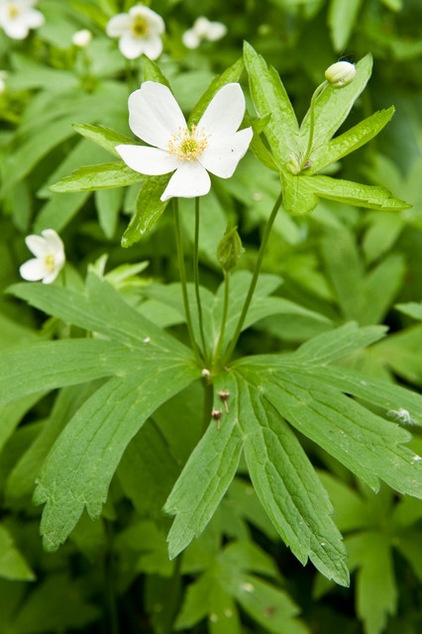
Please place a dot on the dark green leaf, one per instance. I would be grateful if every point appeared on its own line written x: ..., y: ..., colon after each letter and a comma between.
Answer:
x: 101, y: 176
x: 149, y: 208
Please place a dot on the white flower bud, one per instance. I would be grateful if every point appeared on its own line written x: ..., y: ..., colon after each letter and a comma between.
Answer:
x: 340, y: 74
x: 82, y: 38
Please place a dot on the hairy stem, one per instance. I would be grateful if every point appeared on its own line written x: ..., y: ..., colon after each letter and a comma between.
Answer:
x: 196, y: 276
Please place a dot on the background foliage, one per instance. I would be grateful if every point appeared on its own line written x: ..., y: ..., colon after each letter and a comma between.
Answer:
x: 323, y: 270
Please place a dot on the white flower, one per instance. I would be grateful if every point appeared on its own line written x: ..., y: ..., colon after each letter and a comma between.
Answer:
x: 214, y: 145
x: 82, y: 38
x: 340, y: 74
x: 49, y: 257
x: 139, y: 31
x: 17, y: 17
x: 203, y: 29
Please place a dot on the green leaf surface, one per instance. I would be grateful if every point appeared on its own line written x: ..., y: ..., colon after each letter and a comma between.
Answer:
x: 101, y: 176
x: 149, y: 207
x: 79, y: 468
x: 342, y: 18
x: 270, y: 98
x: 377, y: 592
x: 46, y: 365
x: 12, y: 564
x: 333, y: 106
x: 152, y: 72
x: 102, y: 309
x: 288, y: 487
x: 102, y: 136
x: 349, y: 141
x: 205, y: 477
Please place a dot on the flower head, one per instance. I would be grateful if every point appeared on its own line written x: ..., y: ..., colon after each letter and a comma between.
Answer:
x: 203, y: 29
x: 49, y: 257
x: 340, y: 74
x: 214, y: 145
x: 139, y: 31
x: 82, y: 38
x: 17, y: 17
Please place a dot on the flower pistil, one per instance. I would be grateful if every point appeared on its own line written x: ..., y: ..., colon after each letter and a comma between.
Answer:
x: 188, y: 145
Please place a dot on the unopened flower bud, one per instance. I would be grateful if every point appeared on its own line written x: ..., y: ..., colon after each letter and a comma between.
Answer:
x: 230, y: 249
x: 82, y: 38
x: 340, y: 74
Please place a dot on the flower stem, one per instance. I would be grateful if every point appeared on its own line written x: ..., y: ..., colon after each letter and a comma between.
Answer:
x: 254, y: 279
x: 317, y: 93
x: 196, y: 275
x: 217, y: 349
x: 183, y: 281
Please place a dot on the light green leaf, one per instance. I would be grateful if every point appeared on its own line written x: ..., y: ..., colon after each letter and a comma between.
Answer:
x: 311, y: 399
x: 101, y: 176
x: 196, y: 604
x: 46, y: 365
x: 102, y: 309
x: 349, y: 141
x: 342, y: 17
x: 148, y: 209
x: 106, y: 138
x: 79, y: 468
x: 152, y: 72
x: 333, y: 106
x: 108, y: 203
x: 288, y: 487
x: 206, y: 475
x: 270, y: 98
x: 377, y: 592
x: 12, y: 564
x: 269, y: 606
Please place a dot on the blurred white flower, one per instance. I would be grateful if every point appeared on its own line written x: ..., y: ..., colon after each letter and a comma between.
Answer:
x: 214, y: 145
x: 82, y: 38
x: 17, y: 17
x: 340, y: 74
x: 203, y: 29
x: 139, y: 31
x: 49, y: 257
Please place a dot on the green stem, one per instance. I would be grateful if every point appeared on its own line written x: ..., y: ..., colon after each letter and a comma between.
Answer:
x: 317, y: 94
x: 223, y: 318
x: 254, y: 279
x: 183, y: 281
x: 196, y: 275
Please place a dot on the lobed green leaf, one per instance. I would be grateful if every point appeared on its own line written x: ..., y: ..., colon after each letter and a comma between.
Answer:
x: 149, y: 208
x: 106, y: 138
x: 101, y: 176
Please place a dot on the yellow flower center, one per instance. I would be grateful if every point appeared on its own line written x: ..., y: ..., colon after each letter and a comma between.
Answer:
x: 140, y: 26
x: 187, y: 145
x: 49, y: 261
x: 14, y: 11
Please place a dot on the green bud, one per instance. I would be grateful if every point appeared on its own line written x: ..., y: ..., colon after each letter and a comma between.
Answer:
x: 230, y: 249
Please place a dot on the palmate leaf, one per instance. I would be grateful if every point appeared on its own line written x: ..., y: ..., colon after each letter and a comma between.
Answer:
x: 100, y: 176
x: 283, y: 477
x: 79, y: 468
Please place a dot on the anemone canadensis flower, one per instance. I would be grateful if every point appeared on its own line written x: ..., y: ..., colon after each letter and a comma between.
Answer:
x: 139, y: 31
x: 17, y: 17
x: 203, y: 29
x: 49, y: 257
x: 214, y: 145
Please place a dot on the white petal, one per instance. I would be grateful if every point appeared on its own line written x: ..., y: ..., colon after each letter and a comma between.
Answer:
x: 190, y: 39
x: 147, y: 160
x: 51, y: 275
x: 188, y: 181
x: 16, y: 30
x: 222, y: 159
x: 224, y: 113
x: 130, y: 45
x: 118, y: 25
x: 216, y: 30
x: 33, y: 270
x: 37, y: 245
x: 153, y: 47
x: 33, y: 18
x: 155, y: 21
x: 201, y: 26
x: 55, y: 243
x: 154, y: 114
